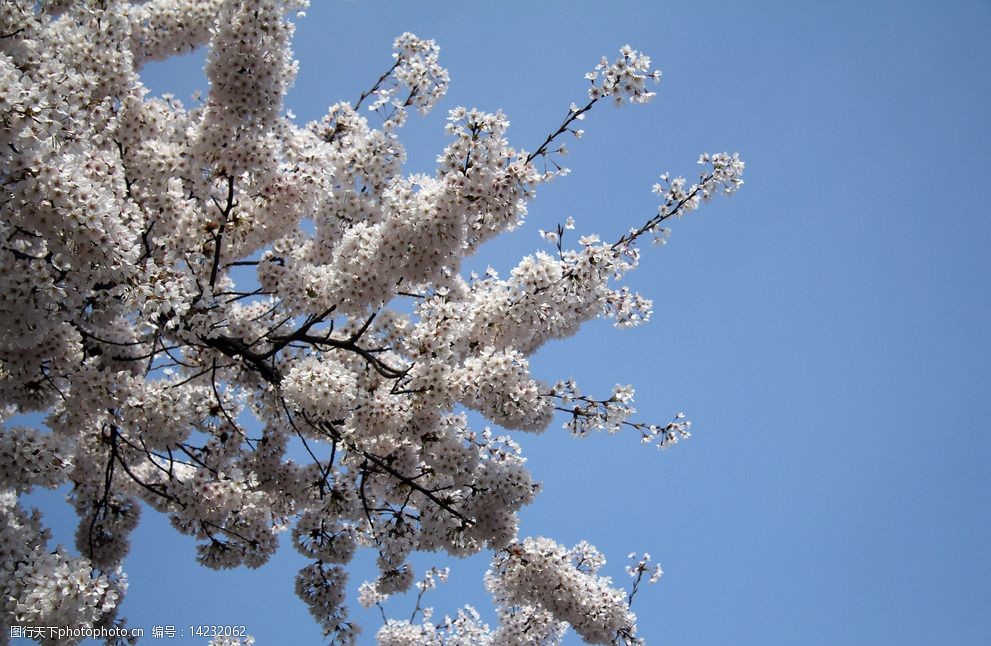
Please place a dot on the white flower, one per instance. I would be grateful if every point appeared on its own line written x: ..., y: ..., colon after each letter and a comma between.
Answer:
x: 253, y: 326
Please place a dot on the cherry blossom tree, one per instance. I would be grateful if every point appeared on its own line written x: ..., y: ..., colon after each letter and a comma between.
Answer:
x: 324, y: 397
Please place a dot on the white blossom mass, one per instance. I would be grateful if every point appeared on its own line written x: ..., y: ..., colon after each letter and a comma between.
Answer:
x: 261, y: 328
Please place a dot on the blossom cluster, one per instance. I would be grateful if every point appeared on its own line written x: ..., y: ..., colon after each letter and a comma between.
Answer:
x: 588, y: 414
x: 261, y: 328
x: 564, y: 583
x: 226, y: 640
x: 626, y: 77
x: 465, y: 629
x: 416, y: 72
x: 540, y: 590
x: 41, y: 587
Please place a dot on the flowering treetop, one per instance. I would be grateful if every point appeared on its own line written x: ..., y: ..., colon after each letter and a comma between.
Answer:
x: 326, y: 395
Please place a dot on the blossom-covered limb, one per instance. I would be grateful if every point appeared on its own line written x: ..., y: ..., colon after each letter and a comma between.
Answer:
x: 256, y: 327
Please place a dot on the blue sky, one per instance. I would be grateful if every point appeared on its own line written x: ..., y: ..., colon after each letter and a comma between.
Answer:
x: 825, y: 328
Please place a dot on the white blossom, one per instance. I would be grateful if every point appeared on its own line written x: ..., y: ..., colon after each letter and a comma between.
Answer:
x: 259, y: 328
x: 565, y: 584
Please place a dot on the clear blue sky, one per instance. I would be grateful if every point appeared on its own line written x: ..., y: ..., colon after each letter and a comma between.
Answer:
x: 826, y: 328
